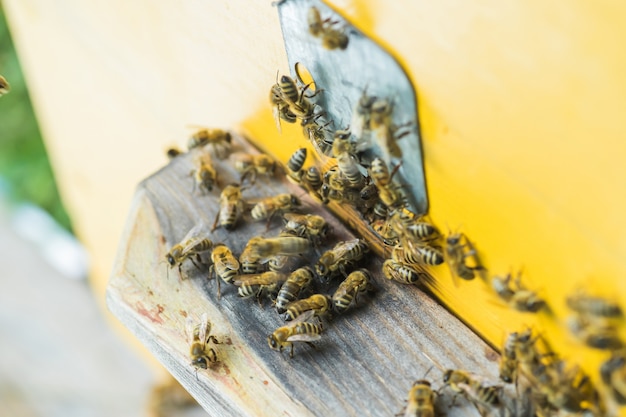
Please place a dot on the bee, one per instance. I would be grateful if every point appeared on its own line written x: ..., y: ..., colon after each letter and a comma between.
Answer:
x: 309, y: 226
x: 384, y: 132
x: 598, y: 333
x: 249, y: 261
x: 323, y: 29
x: 269, y: 206
x: 346, y: 160
x: 339, y: 258
x: 356, y: 283
x: 172, y: 152
x: 312, y: 181
x: 519, y: 298
x: 295, y: 165
x: 613, y: 373
x: 192, y: 245
x: 259, y: 284
x: 318, y: 303
x: 316, y: 133
x: 4, y: 86
x: 414, y: 254
x: 401, y: 272
x: 252, y: 165
x: 199, y: 336
x: 407, y: 224
x: 217, y: 139
x: 299, y: 330
x: 473, y: 389
x: 389, y: 192
x: 508, y: 360
x: 204, y: 173
x: 455, y: 255
x: 262, y: 248
x: 290, y: 102
x: 231, y: 207
x: 297, y: 281
x: 224, y: 264
x: 420, y: 401
x: 360, y: 123
x: 593, y: 306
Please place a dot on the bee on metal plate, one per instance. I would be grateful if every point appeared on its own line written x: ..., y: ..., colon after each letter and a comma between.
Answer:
x: 384, y: 132
x: 389, y: 192
x: 297, y: 281
x: 192, y: 245
x: 324, y: 29
x: 199, y: 336
x: 337, y: 259
x: 225, y: 265
x: 357, y: 282
x: 299, y: 330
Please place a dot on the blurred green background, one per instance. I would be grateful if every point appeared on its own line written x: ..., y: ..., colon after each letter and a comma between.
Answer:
x: 25, y: 171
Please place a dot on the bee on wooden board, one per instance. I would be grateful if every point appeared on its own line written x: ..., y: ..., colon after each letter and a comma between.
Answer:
x: 417, y: 254
x: 401, y: 272
x: 319, y: 304
x: 218, y: 140
x: 262, y: 248
x: 295, y: 165
x: 337, y: 259
x: 249, y: 261
x: 266, y: 283
x: 231, y: 207
x: 250, y: 166
x: 269, y: 206
x: 4, y: 86
x: 317, y: 134
x: 420, y: 401
x: 204, y: 172
x: 225, y: 266
x: 298, y: 330
x: 297, y: 281
x: 331, y: 37
x: 199, y: 336
x: 309, y: 226
x: 192, y: 245
x: 508, y: 360
x: 473, y: 388
x: 457, y: 249
x: 518, y: 297
x: 356, y: 283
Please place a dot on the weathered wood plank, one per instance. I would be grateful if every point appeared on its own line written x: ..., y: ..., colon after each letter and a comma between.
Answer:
x: 373, y: 353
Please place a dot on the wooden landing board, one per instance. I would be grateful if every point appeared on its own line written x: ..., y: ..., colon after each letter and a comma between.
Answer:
x: 365, y: 362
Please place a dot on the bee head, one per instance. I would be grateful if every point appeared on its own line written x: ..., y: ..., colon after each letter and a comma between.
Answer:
x: 170, y: 259
x: 447, y: 375
x: 272, y: 342
x: 200, y: 362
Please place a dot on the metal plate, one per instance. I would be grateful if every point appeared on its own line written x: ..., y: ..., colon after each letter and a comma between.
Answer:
x: 345, y: 74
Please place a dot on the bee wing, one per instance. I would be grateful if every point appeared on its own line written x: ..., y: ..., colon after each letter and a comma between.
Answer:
x: 189, y: 328
x: 205, y: 327
x: 303, y: 317
x: 344, y: 247
x: 229, y: 262
x: 257, y: 279
x: 276, y: 115
x: 304, y: 337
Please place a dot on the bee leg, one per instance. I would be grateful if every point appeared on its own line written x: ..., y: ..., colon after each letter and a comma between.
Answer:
x: 180, y: 272
x: 194, y: 262
x: 217, y: 216
x: 311, y: 344
x: 219, y: 288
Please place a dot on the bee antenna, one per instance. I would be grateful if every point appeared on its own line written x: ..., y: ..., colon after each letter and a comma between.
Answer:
x: 433, y: 362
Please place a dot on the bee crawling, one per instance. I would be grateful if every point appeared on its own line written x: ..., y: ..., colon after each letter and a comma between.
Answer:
x: 299, y: 330
x: 199, y: 336
x: 192, y: 245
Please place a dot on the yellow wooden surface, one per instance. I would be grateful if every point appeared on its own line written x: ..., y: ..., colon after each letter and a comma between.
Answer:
x: 521, y: 107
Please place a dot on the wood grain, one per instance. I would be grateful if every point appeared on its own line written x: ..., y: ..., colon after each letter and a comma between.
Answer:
x: 365, y: 362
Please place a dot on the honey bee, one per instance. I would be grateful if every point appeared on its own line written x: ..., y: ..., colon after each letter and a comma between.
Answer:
x: 269, y: 206
x: 249, y: 261
x: 360, y: 123
x: 192, y: 245
x: 346, y: 160
x: 455, y: 254
x: 414, y: 254
x: 339, y: 258
x: 508, y: 360
x: 389, y: 192
x: 312, y: 181
x: 204, y: 173
x: 199, y: 336
x: 172, y: 152
x: 316, y: 133
x: 290, y: 102
x: 253, y: 165
x: 401, y: 272
x: 420, y: 401
x: 319, y: 304
x: 356, y: 283
x: 231, y: 207
x: 224, y: 264
x: 259, y: 284
x: 598, y: 333
x: 263, y: 248
x: 309, y: 226
x: 593, y: 306
x: 613, y: 373
x: 323, y: 29
x: 299, y: 330
x: 473, y: 389
x: 297, y: 281
x: 384, y: 132
x: 4, y: 86
x: 295, y: 165
x: 217, y: 139
x: 519, y: 298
